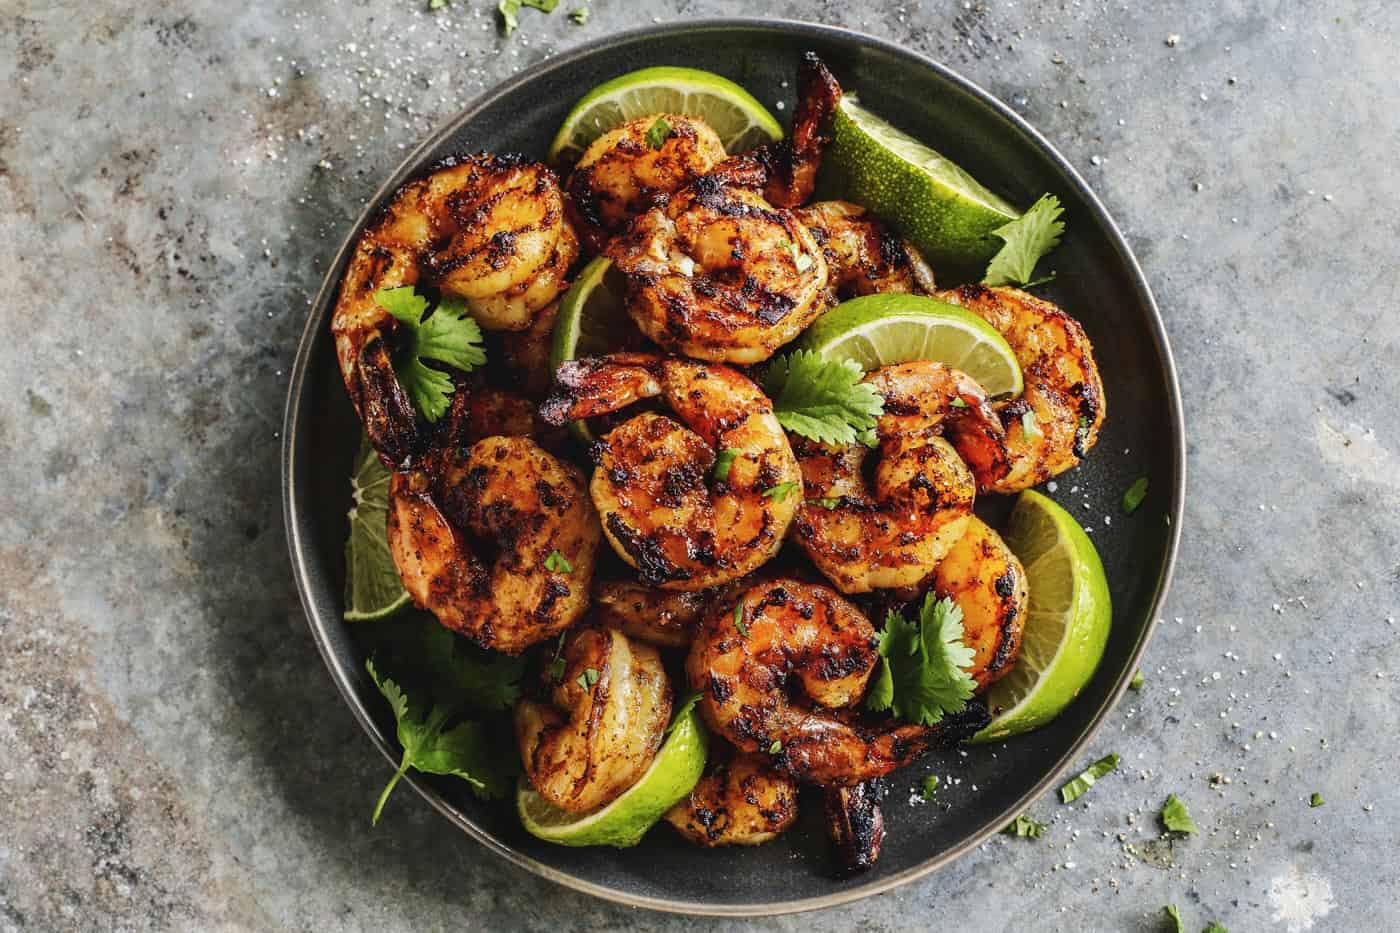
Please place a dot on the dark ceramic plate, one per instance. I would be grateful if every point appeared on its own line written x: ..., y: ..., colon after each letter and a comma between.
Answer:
x: 1099, y: 282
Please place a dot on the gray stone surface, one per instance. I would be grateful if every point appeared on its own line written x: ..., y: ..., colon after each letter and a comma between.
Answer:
x: 172, y: 178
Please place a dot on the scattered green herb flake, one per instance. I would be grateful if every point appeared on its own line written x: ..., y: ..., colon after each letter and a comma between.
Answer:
x: 1028, y: 238
x: 1136, y: 682
x: 1214, y: 927
x: 923, y: 676
x: 826, y: 502
x: 509, y: 10
x: 723, y: 461
x: 1175, y: 816
x: 558, y: 563
x: 1133, y: 497
x: 658, y: 133
x: 436, y: 4
x: 1076, y: 787
x: 739, y: 619
x: 775, y: 748
x: 1175, y: 916
x: 824, y: 400
x: 1025, y: 827
x: 557, y: 663
x: 1030, y: 427
x: 588, y: 678
x: 544, y: 6
x: 801, y: 260
x: 780, y: 492
x: 447, y: 336
x: 579, y: 15
x: 930, y: 787
x: 1316, y: 800
x: 959, y: 402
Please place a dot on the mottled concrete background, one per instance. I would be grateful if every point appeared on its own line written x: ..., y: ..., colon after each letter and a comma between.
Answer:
x: 172, y: 178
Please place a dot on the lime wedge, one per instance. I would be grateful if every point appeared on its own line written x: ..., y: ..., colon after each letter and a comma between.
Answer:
x: 622, y: 823
x: 740, y: 120
x: 878, y: 330
x: 947, y: 214
x: 372, y: 587
x: 591, y: 322
x: 1067, y: 620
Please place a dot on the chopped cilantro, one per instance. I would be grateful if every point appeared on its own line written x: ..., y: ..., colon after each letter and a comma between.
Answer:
x: 1028, y: 238
x: 739, y: 619
x: 1214, y: 927
x: 509, y: 10
x: 1175, y: 817
x: 1025, y: 827
x: 1030, y: 427
x: 1175, y: 916
x: 558, y: 563
x: 436, y: 4
x: 723, y: 461
x: 658, y: 133
x: 824, y: 400
x: 579, y: 15
x: 776, y: 747
x: 922, y: 675
x: 827, y: 502
x: 445, y: 335
x: 1135, y: 494
x: 1136, y: 682
x: 1316, y: 800
x: 588, y: 678
x: 557, y: 663
x: 544, y: 6
x: 780, y: 492
x: 958, y: 402
x: 1075, y: 789
x: 929, y: 787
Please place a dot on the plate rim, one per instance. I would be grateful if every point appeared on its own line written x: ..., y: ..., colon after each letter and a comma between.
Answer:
x: 292, y: 504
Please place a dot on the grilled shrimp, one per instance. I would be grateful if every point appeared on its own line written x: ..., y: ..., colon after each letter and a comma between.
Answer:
x: 1063, y: 391
x: 855, y: 825
x: 988, y: 583
x: 720, y: 274
x: 524, y: 505
x: 489, y: 229
x: 891, y: 531
x: 621, y: 174
x: 791, y: 164
x: 662, y: 507
x: 527, y: 352
x: 602, y: 724
x: 788, y: 639
x: 665, y: 618
x: 862, y: 255
x: 740, y: 801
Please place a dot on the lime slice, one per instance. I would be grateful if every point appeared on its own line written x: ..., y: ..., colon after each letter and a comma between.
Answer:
x: 372, y: 587
x: 624, y: 822
x: 947, y: 214
x: 591, y: 322
x: 741, y: 122
x: 1066, y: 624
x: 879, y: 330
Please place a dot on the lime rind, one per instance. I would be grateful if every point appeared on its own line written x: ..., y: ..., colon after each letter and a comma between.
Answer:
x: 372, y: 586
x: 740, y: 120
x: 1067, y: 622
x: 880, y: 330
x: 622, y: 823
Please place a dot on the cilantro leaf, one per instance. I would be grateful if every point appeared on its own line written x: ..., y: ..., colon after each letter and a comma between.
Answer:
x: 1025, y: 827
x: 429, y: 747
x: 923, y: 676
x: 780, y: 492
x: 558, y: 563
x: 1029, y: 237
x: 739, y: 619
x: 467, y: 676
x: 824, y: 400
x: 1175, y: 916
x: 509, y: 10
x: 579, y: 15
x: 1134, y: 495
x: 588, y: 678
x: 723, y: 461
x: 1175, y: 816
x: 658, y: 133
x: 446, y: 336
x: 557, y: 664
x: 1076, y: 787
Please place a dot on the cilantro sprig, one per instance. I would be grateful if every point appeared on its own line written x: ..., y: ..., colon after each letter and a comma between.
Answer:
x: 824, y: 400
x: 444, y: 335
x: 1028, y: 238
x: 923, y: 674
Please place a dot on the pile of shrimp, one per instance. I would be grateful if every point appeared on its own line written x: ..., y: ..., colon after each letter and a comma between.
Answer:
x: 709, y: 581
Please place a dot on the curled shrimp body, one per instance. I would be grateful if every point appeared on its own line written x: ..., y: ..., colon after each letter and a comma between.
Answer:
x: 740, y: 801
x: 601, y: 724
x: 988, y: 583
x: 665, y: 618
x: 524, y: 504
x: 787, y: 639
x: 892, y: 529
x: 662, y: 507
x: 489, y: 229
x: 720, y: 274
x: 1055, y: 421
x: 792, y: 164
x: 864, y: 257
x: 622, y: 173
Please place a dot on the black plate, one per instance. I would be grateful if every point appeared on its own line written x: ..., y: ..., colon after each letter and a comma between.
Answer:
x: 1099, y: 282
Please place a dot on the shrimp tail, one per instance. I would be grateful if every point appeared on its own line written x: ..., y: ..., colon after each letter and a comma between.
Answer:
x: 388, y: 414
x: 855, y: 825
x: 792, y: 163
x: 595, y: 386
